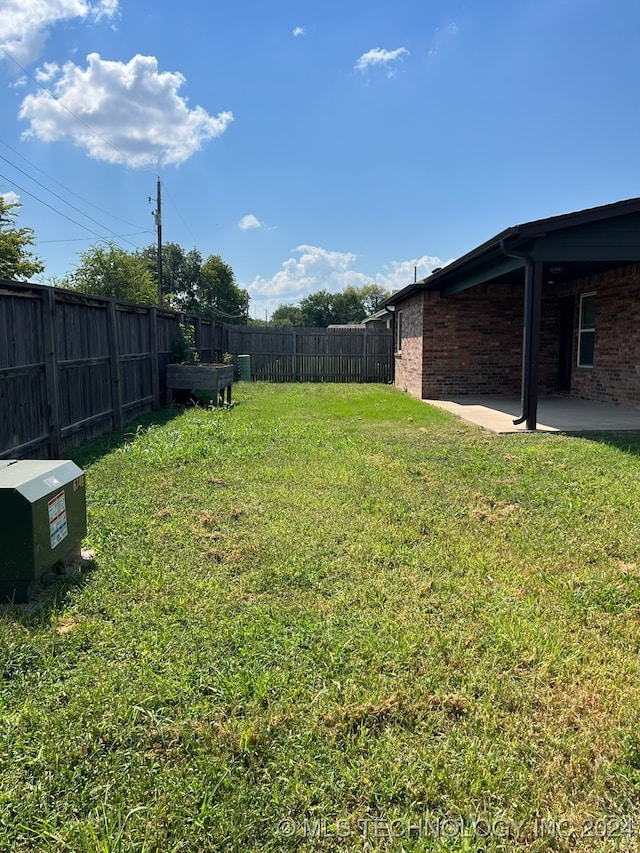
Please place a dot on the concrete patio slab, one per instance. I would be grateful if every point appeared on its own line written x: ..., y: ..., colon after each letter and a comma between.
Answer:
x: 555, y: 414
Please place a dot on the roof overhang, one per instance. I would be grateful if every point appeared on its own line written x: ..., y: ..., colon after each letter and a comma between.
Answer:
x: 568, y: 246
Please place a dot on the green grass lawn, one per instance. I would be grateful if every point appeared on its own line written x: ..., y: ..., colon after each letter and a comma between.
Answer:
x: 334, y: 618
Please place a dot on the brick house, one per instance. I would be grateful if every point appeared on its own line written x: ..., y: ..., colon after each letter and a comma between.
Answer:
x: 548, y: 307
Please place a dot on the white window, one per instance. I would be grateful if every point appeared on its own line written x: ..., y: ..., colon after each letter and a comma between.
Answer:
x: 587, y: 330
x: 398, y: 331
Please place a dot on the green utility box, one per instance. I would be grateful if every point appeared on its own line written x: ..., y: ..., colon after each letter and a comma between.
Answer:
x: 244, y: 367
x: 43, y: 519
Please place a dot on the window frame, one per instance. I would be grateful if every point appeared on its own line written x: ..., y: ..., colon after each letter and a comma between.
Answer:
x: 586, y: 330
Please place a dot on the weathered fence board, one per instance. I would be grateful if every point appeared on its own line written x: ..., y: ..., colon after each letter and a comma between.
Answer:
x: 354, y: 354
x: 74, y: 367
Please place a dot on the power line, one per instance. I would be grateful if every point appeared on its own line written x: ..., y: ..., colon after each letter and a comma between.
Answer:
x: 95, y: 133
x: 184, y: 222
x: 84, y: 239
x: 221, y: 313
x: 67, y: 189
x: 51, y: 207
x: 72, y: 206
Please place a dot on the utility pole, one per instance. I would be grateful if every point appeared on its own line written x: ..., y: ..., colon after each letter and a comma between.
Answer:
x: 157, y: 213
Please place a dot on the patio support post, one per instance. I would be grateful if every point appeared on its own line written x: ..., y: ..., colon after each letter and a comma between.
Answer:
x: 530, y: 336
x: 531, y: 342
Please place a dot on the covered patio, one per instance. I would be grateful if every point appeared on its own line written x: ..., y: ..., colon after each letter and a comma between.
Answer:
x: 549, y: 309
x: 497, y: 414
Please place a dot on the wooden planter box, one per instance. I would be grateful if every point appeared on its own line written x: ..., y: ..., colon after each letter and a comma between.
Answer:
x: 215, y: 378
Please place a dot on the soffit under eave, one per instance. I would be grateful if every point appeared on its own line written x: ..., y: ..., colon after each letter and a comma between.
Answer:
x: 488, y: 272
x: 578, y: 237
x: 596, y: 252
x: 616, y: 239
x: 620, y: 247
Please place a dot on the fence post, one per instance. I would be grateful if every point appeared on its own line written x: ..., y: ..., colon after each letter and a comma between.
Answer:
x: 364, y: 373
x: 199, y: 341
x: 114, y: 356
x: 294, y: 355
x: 51, y: 370
x: 153, y: 346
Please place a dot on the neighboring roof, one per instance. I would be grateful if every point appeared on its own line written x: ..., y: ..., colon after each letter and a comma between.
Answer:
x: 382, y: 314
x: 593, y: 236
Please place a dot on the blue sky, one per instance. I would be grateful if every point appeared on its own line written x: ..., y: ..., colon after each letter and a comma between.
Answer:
x: 313, y: 144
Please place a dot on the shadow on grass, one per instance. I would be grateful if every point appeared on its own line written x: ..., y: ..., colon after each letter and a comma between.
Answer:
x: 96, y: 448
x: 627, y: 442
x: 48, y: 595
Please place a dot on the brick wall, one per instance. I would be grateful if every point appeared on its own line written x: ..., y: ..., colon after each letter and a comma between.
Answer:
x: 615, y: 375
x: 409, y: 360
x: 473, y: 342
x: 549, y: 354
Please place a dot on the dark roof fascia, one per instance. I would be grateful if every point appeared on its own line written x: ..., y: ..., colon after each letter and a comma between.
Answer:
x: 540, y: 227
x: 442, y: 275
x: 517, y: 237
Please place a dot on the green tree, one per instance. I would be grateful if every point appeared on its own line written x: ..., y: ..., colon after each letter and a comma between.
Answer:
x: 287, y: 315
x: 113, y: 272
x: 347, y: 306
x: 181, y: 274
x: 351, y: 305
x: 317, y: 309
x: 218, y: 296
x: 373, y: 297
x: 17, y: 262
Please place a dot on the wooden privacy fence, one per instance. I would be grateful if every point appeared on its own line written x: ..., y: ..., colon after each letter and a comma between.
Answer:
x: 347, y: 354
x: 74, y: 367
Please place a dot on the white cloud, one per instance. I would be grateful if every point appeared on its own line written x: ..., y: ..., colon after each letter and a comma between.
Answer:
x: 47, y: 72
x: 122, y: 113
x: 10, y: 197
x: 298, y: 31
x: 399, y: 274
x: 379, y: 56
x: 106, y: 9
x: 249, y: 221
x: 319, y: 269
x: 25, y: 24
x: 315, y: 269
